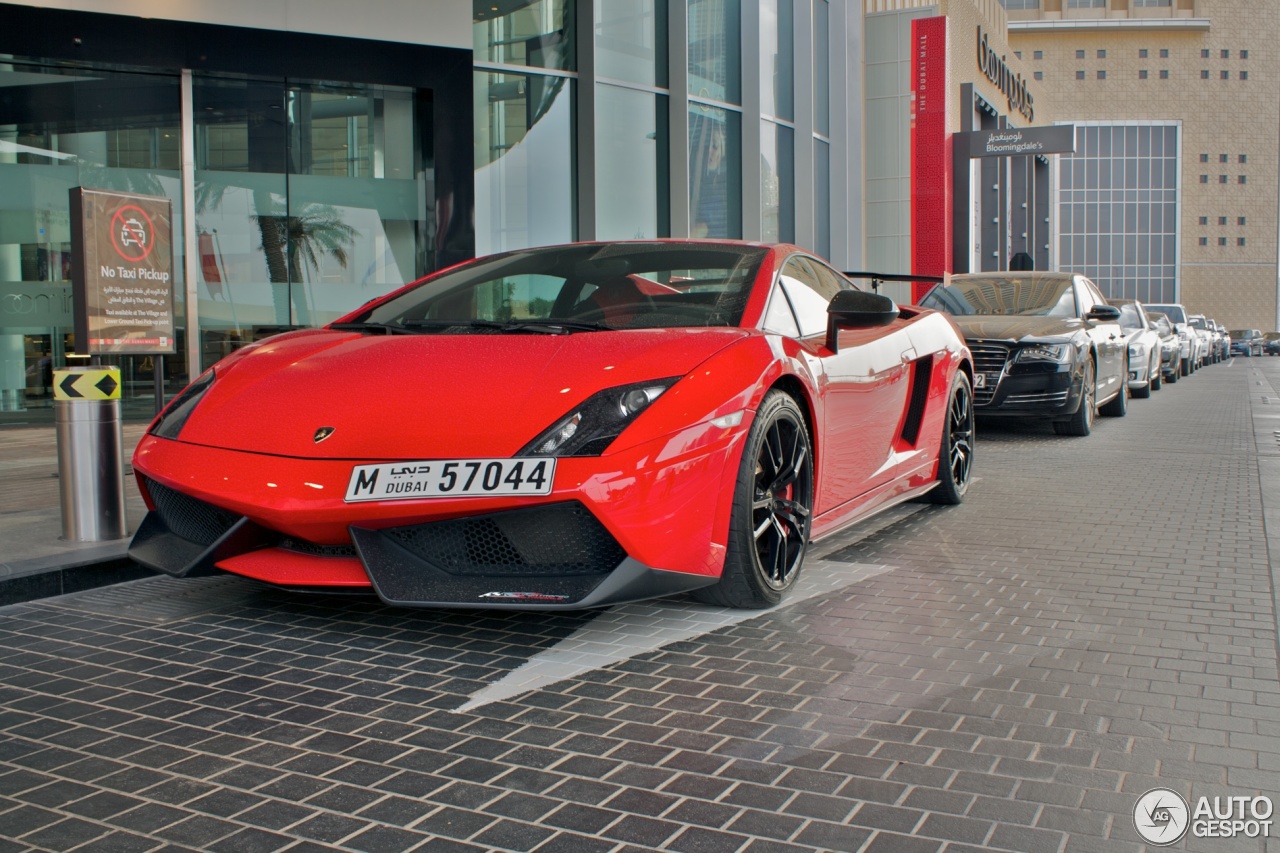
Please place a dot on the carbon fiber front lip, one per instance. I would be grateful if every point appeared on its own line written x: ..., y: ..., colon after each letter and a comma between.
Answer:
x: 406, y: 580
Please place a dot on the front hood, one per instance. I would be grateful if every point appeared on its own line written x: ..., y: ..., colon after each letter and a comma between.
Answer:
x: 426, y: 396
x: 1015, y: 327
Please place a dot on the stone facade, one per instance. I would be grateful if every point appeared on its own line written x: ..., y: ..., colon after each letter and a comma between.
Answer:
x: 1212, y: 67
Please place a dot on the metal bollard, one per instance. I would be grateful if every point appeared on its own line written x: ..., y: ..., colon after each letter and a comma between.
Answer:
x: 87, y: 419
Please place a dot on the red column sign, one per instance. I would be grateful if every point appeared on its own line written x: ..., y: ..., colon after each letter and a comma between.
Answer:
x: 930, y: 153
x: 122, y: 272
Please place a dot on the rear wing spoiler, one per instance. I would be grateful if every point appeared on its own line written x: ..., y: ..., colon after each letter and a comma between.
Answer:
x: 878, y: 278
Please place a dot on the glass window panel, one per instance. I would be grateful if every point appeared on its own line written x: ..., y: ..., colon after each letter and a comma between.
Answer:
x: 632, y: 176
x: 777, y: 183
x: 631, y: 41
x: 241, y: 205
x: 822, y: 198
x: 715, y: 172
x: 822, y: 67
x: 64, y: 128
x: 524, y: 161
x: 536, y: 33
x: 715, y: 46
x: 777, y: 66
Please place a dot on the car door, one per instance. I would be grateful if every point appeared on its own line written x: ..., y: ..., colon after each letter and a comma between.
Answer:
x: 863, y: 385
x: 1108, y: 339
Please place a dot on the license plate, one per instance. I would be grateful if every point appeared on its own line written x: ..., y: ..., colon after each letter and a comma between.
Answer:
x: 986, y: 380
x: 450, y: 478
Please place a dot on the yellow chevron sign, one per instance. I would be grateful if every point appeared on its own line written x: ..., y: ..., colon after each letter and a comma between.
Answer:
x: 92, y: 383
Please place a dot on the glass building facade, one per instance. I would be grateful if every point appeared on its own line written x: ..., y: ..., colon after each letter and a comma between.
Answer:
x: 311, y: 173
x: 1118, y: 209
x: 636, y: 119
x: 303, y: 171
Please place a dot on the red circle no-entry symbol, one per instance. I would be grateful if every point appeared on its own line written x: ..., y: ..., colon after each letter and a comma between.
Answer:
x: 131, y: 233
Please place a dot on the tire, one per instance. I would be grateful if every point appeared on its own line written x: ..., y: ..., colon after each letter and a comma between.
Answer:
x: 1173, y: 375
x: 1186, y: 367
x: 1157, y: 381
x: 1145, y: 391
x: 955, y: 450
x: 1118, y: 405
x: 772, y: 510
x: 1081, y: 423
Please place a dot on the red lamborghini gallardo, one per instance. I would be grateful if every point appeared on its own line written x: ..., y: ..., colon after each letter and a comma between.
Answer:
x: 564, y: 427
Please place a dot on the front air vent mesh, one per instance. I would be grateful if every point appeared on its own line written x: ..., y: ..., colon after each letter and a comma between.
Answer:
x: 554, y: 540
x: 190, y: 518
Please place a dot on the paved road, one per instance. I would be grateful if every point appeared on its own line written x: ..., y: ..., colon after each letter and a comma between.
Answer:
x: 1097, y: 620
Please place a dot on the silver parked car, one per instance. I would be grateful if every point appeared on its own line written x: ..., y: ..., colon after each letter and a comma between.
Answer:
x: 1190, y: 354
x: 1208, y: 346
x: 1144, y: 348
x: 1170, y: 346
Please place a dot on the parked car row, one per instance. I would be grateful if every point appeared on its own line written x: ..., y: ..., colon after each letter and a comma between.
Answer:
x: 1049, y: 345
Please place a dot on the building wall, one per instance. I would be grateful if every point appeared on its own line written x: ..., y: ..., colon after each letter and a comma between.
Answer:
x: 1236, y: 284
x: 445, y: 23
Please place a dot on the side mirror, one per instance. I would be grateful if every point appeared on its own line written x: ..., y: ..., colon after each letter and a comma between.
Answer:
x: 857, y: 309
x: 1103, y: 313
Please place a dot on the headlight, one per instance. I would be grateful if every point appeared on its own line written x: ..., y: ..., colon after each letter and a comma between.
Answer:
x: 591, y: 427
x: 1058, y: 353
x: 174, y: 417
x: 1138, y: 351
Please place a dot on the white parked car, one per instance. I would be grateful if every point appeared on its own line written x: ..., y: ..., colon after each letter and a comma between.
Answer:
x: 1144, y: 348
x: 1190, y: 341
x: 1170, y: 346
x: 1208, y: 347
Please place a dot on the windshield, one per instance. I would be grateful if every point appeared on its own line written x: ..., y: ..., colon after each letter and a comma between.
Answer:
x: 1241, y: 334
x: 1173, y: 312
x: 583, y: 287
x: 1129, y: 317
x: 1199, y: 323
x: 1043, y: 296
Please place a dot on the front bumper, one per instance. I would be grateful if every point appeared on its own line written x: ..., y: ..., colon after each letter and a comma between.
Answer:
x: 645, y: 522
x: 1024, y: 390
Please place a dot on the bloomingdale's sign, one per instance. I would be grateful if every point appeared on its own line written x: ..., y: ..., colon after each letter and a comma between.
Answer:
x: 1013, y: 85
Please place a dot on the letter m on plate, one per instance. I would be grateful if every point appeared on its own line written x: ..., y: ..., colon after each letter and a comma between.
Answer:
x: 365, y: 481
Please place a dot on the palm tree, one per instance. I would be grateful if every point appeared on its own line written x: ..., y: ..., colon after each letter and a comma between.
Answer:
x: 293, y: 243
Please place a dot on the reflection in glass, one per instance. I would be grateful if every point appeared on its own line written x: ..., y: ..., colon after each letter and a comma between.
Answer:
x: 524, y: 161
x: 353, y: 215
x: 241, y: 192
x: 534, y: 33
x: 777, y: 68
x: 777, y: 183
x: 307, y: 204
x: 631, y: 41
x: 631, y: 164
x: 715, y: 172
x: 715, y: 45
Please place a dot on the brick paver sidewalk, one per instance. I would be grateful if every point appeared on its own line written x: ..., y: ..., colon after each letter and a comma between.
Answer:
x: 1097, y: 620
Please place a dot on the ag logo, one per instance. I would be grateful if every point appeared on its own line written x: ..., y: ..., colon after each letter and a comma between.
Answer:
x: 1161, y: 817
x: 321, y: 434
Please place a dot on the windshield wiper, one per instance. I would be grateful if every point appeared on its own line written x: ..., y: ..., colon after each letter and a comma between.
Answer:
x: 385, y: 328
x: 546, y: 327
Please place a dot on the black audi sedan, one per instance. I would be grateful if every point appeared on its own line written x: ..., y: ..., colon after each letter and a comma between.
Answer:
x: 1045, y: 345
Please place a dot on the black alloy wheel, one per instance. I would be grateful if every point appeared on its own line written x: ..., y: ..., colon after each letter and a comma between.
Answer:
x: 772, y: 510
x: 955, y: 455
x: 1081, y: 423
